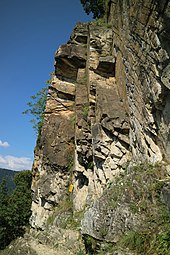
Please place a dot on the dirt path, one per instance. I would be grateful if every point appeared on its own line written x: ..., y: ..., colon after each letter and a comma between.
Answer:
x: 42, y: 249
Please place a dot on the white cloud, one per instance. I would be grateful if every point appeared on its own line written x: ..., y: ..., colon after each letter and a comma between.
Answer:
x: 15, y: 163
x: 4, y: 144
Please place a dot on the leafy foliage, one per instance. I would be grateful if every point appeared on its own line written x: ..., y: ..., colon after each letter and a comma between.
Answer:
x: 15, y: 208
x: 164, y: 243
x: 36, y: 108
x: 97, y: 7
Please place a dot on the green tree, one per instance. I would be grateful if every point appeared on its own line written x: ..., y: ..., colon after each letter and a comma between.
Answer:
x: 3, y: 192
x: 4, y: 228
x: 15, y: 208
x: 20, y: 199
x: 97, y: 7
x: 36, y: 108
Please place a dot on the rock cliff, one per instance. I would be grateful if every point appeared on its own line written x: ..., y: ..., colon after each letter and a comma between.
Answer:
x: 108, y: 108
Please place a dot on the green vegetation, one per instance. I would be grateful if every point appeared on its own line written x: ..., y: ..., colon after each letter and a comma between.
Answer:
x: 90, y: 244
x: 97, y: 7
x: 140, y: 189
x: 9, y: 177
x: 15, y: 208
x: 101, y: 22
x: 73, y: 120
x: 84, y: 79
x: 36, y: 108
x: 134, y: 241
x: 85, y: 111
x: 63, y: 215
x: 70, y: 155
x: 80, y: 252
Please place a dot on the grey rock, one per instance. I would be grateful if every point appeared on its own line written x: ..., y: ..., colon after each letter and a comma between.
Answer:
x: 166, y: 76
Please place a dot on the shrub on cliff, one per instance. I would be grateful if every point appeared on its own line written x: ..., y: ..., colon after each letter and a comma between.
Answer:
x: 36, y: 108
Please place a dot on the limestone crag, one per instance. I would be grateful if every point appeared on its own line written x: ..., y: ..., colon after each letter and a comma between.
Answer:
x: 108, y: 105
x: 85, y: 137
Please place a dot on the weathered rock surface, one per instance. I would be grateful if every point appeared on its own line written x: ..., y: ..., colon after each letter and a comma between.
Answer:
x: 85, y: 137
x: 42, y: 245
x: 108, y: 105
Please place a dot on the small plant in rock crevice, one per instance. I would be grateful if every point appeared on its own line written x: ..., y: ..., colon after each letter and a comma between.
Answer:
x: 80, y: 253
x: 70, y: 162
x: 73, y: 120
x: 85, y: 111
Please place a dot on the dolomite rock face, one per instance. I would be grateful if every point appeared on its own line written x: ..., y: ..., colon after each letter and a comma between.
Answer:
x: 108, y: 105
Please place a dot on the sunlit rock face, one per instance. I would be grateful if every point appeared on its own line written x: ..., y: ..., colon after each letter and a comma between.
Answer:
x: 108, y: 105
x: 140, y: 36
x: 85, y: 137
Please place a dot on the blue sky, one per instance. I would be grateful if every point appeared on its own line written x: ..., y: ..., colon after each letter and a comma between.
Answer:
x: 30, y: 32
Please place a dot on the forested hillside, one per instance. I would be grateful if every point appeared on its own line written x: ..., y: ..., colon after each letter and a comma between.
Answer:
x: 15, y: 207
x: 9, y: 176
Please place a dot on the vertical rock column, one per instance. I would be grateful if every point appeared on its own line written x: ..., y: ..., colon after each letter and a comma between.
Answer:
x: 102, y: 124
x: 55, y: 150
x: 83, y: 142
x: 110, y: 123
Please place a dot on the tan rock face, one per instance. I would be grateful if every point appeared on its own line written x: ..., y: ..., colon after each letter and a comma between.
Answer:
x: 108, y: 104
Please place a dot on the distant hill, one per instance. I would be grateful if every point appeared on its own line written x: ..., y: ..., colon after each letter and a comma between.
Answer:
x: 9, y: 176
